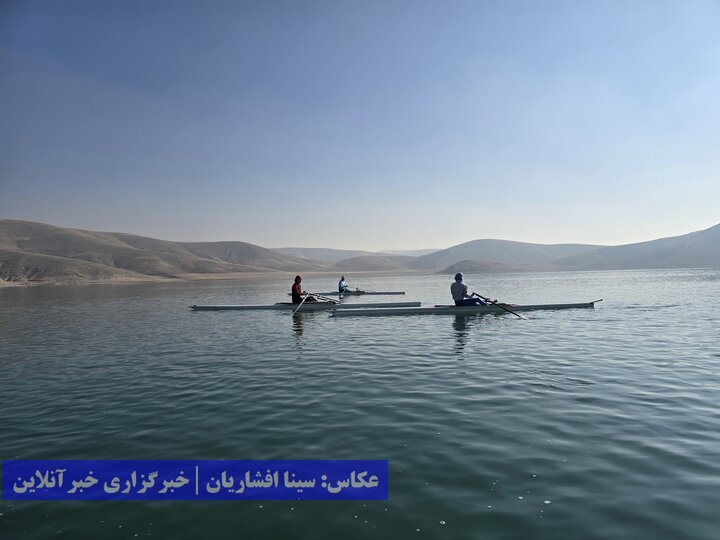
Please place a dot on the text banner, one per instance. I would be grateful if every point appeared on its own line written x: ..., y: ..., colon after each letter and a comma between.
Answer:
x: 194, y: 480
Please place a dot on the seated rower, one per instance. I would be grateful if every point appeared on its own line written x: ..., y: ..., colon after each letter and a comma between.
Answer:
x: 460, y: 294
x: 298, y: 293
x: 342, y: 286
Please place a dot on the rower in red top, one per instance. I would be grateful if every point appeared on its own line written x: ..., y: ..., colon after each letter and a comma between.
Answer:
x: 298, y: 293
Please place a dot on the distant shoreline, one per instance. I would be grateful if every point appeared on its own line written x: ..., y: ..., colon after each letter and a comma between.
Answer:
x: 189, y: 278
x: 36, y: 254
x: 274, y: 276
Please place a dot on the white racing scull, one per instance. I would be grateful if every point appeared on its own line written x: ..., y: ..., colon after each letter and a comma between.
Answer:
x: 357, y: 292
x: 462, y: 310
x: 307, y: 306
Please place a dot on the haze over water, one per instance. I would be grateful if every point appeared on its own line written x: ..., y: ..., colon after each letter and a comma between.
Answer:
x: 573, y: 424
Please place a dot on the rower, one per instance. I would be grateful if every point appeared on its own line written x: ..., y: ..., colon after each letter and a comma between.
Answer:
x: 460, y: 294
x: 342, y: 286
x: 298, y: 293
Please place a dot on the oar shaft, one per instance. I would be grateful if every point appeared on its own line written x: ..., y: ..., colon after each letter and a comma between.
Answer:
x: 324, y: 298
x: 301, y: 303
x: 499, y: 305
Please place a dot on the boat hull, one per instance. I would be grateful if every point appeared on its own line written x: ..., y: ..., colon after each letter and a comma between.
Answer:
x: 463, y: 310
x: 307, y: 306
x: 358, y: 293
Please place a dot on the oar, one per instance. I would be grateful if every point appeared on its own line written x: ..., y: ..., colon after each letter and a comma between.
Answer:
x: 316, y: 295
x: 359, y: 290
x: 301, y: 303
x: 500, y: 306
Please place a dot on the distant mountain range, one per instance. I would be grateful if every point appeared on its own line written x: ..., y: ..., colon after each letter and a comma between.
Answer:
x: 327, y: 255
x: 37, y: 253
x: 500, y: 252
x: 323, y: 255
x: 694, y: 250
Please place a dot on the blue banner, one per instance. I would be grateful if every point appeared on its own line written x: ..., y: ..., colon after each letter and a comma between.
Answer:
x: 194, y: 480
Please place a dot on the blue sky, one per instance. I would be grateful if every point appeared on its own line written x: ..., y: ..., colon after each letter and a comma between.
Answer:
x: 368, y: 125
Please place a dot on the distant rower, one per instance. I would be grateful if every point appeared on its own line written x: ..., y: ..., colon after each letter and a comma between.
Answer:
x: 342, y: 287
x: 460, y: 294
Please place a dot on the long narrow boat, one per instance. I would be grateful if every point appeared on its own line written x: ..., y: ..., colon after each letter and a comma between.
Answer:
x: 462, y: 310
x: 308, y: 306
x: 357, y: 292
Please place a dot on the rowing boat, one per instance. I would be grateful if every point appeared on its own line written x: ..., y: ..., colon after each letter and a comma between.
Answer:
x: 361, y: 292
x: 308, y: 306
x: 463, y: 310
x: 356, y: 292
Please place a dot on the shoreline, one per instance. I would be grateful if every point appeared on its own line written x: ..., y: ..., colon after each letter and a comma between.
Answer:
x: 278, y: 275
x: 189, y: 278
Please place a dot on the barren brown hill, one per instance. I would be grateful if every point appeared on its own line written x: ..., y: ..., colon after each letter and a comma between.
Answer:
x: 324, y: 255
x: 250, y: 254
x: 693, y: 250
x: 375, y: 263
x: 480, y: 267
x: 505, y: 252
x: 35, y: 252
x: 17, y: 266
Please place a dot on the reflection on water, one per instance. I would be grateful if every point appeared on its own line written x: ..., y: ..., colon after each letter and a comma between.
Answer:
x: 298, y: 328
x: 466, y: 326
x: 298, y: 325
x: 460, y: 326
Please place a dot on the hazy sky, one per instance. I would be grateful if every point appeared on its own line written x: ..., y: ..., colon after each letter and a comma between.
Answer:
x: 371, y: 125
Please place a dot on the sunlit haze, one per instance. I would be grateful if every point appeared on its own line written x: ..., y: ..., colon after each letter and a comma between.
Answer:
x: 363, y: 125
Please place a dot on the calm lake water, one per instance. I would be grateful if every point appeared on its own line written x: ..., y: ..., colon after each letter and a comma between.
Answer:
x: 595, y: 423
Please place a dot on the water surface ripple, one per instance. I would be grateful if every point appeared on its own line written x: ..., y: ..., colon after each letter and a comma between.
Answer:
x: 573, y: 424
